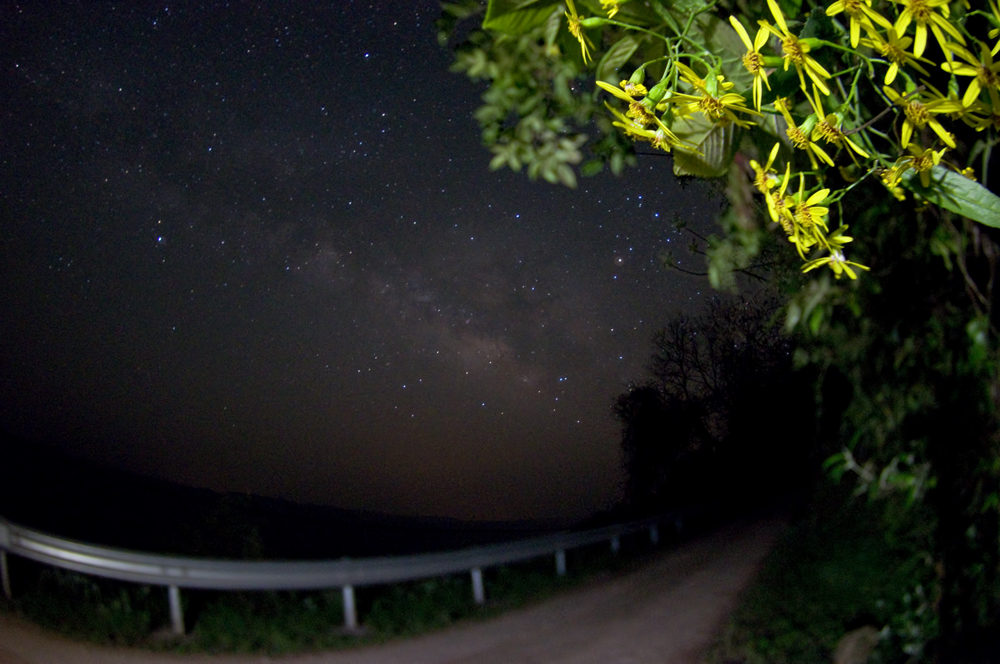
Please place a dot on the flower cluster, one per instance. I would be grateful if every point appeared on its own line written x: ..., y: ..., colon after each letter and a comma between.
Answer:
x: 867, y: 103
x: 649, y: 111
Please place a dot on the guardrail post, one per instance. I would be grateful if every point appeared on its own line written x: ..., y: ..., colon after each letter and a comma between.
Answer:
x: 654, y: 534
x: 5, y: 575
x: 616, y: 544
x: 561, y: 562
x: 477, y: 585
x: 176, y: 614
x: 350, y: 609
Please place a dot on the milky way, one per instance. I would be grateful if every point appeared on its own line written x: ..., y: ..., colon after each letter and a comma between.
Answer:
x: 261, y: 250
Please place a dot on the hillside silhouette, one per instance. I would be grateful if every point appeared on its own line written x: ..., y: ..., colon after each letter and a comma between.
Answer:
x: 44, y: 488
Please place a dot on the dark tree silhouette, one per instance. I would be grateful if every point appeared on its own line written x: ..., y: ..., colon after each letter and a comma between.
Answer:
x: 701, y: 426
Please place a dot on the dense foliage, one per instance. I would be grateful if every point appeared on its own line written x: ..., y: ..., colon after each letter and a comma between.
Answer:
x: 873, y: 114
x: 916, y: 365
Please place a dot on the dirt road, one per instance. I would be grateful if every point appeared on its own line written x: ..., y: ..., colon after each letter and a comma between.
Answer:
x: 665, y: 612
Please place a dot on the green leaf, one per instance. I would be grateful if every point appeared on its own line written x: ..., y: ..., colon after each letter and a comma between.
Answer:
x: 566, y: 175
x: 957, y: 193
x: 686, y: 7
x: 717, y: 149
x: 815, y: 320
x: 616, y: 56
x: 790, y: 8
x: 650, y: 53
x: 460, y: 11
x: 836, y: 465
x: 693, y: 128
x: 944, y: 244
x: 517, y: 17
x: 552, y: 25
x: 978, y: 330
x: 591, y: 168
x: 812, y: 297
x: 617, y: 163
x: 793, y: 316
x: 722, y: 40
x: 665, y: 14
x: 819, y: 26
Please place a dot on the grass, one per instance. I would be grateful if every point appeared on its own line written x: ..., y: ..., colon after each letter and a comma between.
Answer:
x: 118, y: 613
x: 83, y: 606
x: 832, y: 572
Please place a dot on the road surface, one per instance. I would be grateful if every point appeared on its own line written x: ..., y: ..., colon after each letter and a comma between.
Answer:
x: 668, y: 610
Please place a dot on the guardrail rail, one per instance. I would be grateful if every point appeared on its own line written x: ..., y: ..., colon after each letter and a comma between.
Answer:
x: 175, y: 572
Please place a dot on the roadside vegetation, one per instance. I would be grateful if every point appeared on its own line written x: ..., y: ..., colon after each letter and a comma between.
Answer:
x: 854, y: 144
x: 832, y: 574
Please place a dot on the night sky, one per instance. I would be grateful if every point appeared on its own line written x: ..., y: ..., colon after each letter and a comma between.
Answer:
x: 257, y: 247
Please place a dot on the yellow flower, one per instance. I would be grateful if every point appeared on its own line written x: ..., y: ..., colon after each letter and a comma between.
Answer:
x: 861, y: 14
x: 809, y: 227
x: 920, y: 160
x: 634, y: 89
x: 640, y: 114
x: 625, y: 91
x: 980, y: 116
x: 796, y: 51
x: 639, y: 111
x: 778, y: 203
x: 985, y: 73
x: 837, y: 239
x: 890, y: 179
x: 837, y: 263
x: 612, y: 6
x: 714, y: 107
x: 799, y: 136
x: 921, y: 12
x: 753, y: 60
x: 764, y: 176
x: 920, y: 112
x: 576, y: 29
x: 662, y: 138
x: 894, y: 49
x: 829, y: 128
x: 804, y: 242
x: 808, y: 212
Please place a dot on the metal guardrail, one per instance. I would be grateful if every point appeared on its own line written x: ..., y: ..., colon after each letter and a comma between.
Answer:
x: 347, y: 573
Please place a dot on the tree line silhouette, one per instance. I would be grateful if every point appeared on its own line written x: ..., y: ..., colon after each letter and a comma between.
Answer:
x: 721, y: 412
